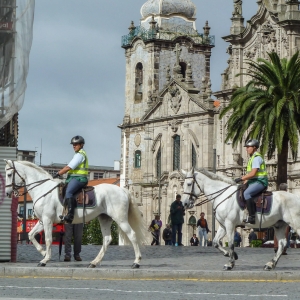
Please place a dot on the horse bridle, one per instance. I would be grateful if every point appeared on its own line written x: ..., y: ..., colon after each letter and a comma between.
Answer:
x: 191, y: 194
x: 16, y: 187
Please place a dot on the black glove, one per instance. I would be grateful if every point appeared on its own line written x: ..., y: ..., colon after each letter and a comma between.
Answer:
x: 238, y: 180
x: 56, y: 175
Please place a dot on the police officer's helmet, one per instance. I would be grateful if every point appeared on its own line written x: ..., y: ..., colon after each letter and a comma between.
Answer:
x: 252, y: 143
x: 77, y: 140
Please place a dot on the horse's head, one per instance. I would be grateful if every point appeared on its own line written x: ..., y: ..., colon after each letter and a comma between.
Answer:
x: 13, y: 179
x: 191, y: 189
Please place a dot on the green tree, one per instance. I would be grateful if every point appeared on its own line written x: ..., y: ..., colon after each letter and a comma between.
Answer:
x: 92, y: 233
x: 268, y: 109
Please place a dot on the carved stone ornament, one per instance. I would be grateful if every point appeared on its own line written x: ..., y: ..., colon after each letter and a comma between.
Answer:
x: 137, y: 140
x: 174, y: 98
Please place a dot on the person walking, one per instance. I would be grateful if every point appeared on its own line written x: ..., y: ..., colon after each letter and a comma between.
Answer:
x: 177, y: 214
x: 167, y: 235
x: 77, y: 177
x: 155, y: 230
x: 202, y: 229
x: 256, y: 178
x: 237, y: 239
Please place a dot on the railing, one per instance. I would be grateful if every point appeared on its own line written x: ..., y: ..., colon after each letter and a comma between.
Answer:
x: 171, y: 34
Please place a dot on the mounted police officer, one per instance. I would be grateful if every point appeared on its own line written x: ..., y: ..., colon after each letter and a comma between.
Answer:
x: 256, y: 178
x: 77, y: 177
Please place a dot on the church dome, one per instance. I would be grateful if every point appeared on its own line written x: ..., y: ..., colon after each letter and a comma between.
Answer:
x: 168, y: 7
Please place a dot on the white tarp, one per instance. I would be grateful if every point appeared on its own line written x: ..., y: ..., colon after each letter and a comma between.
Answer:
x: 14, y: 60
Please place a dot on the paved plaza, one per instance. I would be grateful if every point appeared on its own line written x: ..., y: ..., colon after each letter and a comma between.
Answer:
x: 158, y: 262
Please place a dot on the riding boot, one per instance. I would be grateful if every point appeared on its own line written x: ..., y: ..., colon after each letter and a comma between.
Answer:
x: 251, y: 210
x: 71, y: 203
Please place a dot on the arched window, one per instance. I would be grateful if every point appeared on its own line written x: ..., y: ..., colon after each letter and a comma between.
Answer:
x: 158, y: 163
x: 194, y: 156
x: 176, y: 152
x: 137, y: 159
x: 183, y: 68
x: 139, y: 82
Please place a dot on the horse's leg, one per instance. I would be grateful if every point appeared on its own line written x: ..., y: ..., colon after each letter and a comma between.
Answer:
x: 232, y: 255
x: 48, y: 227
x: 105, y: 223
x: 126, y: 228
x: 31, y: 235
x: 217, y: 241
x: 279, y: 231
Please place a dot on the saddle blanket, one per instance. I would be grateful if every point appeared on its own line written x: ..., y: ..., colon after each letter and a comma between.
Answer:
x: 268, y: 201
x: 90, y: 199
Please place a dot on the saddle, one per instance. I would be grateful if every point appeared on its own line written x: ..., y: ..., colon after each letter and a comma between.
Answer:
x: 86, y: 193
x: 262, y: 200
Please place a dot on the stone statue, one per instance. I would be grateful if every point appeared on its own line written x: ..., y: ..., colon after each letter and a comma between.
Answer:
x: 238, y: 11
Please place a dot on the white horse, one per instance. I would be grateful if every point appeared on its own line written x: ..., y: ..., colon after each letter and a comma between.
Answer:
x: 112, y: 203
x: 221, y: 190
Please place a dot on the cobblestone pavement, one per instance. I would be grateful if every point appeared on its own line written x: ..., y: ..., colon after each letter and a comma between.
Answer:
x: 164, y: 258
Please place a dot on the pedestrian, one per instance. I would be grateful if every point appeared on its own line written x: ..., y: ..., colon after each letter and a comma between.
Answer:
x: 76, y: 231
x: 237, y: 239
x: 256, y: 178
x: 167, y: 235
x: 194, y: 240
x: 202, y: 229
x: 252, y: 236
x: 77, y: 177
x: 155, y: 230
x: 177, y: 214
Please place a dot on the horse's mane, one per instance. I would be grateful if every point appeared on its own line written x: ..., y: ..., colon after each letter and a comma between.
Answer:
x: 214, y: 176
x: 32, y: 165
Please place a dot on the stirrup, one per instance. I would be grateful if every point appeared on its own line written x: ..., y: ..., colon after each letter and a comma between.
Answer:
x: 250, y: 220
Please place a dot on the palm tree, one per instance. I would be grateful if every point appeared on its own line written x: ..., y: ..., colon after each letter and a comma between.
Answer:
x: 268, y: 109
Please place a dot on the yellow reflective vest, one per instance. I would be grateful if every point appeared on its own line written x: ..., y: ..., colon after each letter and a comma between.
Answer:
x: 82, y: 169
x: 262, y: 174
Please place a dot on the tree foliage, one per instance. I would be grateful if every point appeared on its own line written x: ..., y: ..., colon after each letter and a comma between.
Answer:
x: 268, y: 109
x: 92, y: 233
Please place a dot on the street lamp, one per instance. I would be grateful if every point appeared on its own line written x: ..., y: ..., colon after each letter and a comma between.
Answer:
x: 159, y: 176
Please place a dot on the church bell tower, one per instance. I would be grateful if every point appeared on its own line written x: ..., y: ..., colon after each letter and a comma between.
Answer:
x: 168, y: 120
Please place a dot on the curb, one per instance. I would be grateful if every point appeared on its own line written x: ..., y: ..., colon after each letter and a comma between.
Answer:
x: 150, y: 274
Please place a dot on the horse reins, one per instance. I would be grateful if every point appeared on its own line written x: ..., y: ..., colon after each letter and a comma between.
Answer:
x: 219, y: 193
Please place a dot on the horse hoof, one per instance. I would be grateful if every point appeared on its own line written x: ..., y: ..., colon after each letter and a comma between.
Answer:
x: 267, y: 268
x: 227, y: 268
x: 41, y: 265
x: 91, y: 266
x: 135, y: 266
x: 235, y: 256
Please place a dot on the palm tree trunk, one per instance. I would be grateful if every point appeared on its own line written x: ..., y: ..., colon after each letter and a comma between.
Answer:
x: 282, y: 163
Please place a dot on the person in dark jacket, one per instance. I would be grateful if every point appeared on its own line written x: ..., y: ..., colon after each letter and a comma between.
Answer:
x: 202, y: 229
x: 167, y: 235
x: 194, y: 240
x: 177, y: 213
x: 252, y: 236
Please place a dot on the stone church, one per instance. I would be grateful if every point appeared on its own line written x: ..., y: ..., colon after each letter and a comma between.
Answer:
x: 171, y: 121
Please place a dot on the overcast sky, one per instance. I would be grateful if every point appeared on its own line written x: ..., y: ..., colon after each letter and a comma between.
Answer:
x: 76, y: 78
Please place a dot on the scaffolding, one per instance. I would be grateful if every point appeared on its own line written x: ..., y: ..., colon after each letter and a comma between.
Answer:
x: 16, y: 24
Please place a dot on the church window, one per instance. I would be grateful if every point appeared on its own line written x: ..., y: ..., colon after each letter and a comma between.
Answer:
x: 176, y: 152
x: 137, y: 159
x: 183, y: 68
x: 194, y: 156
x: 158, y: 163
x: 139, y: 82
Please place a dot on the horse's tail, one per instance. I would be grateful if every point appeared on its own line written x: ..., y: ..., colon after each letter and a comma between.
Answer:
x: 136, y: 221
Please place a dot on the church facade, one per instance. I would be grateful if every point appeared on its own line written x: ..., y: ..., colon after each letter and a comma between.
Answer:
x: 171, y: 121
